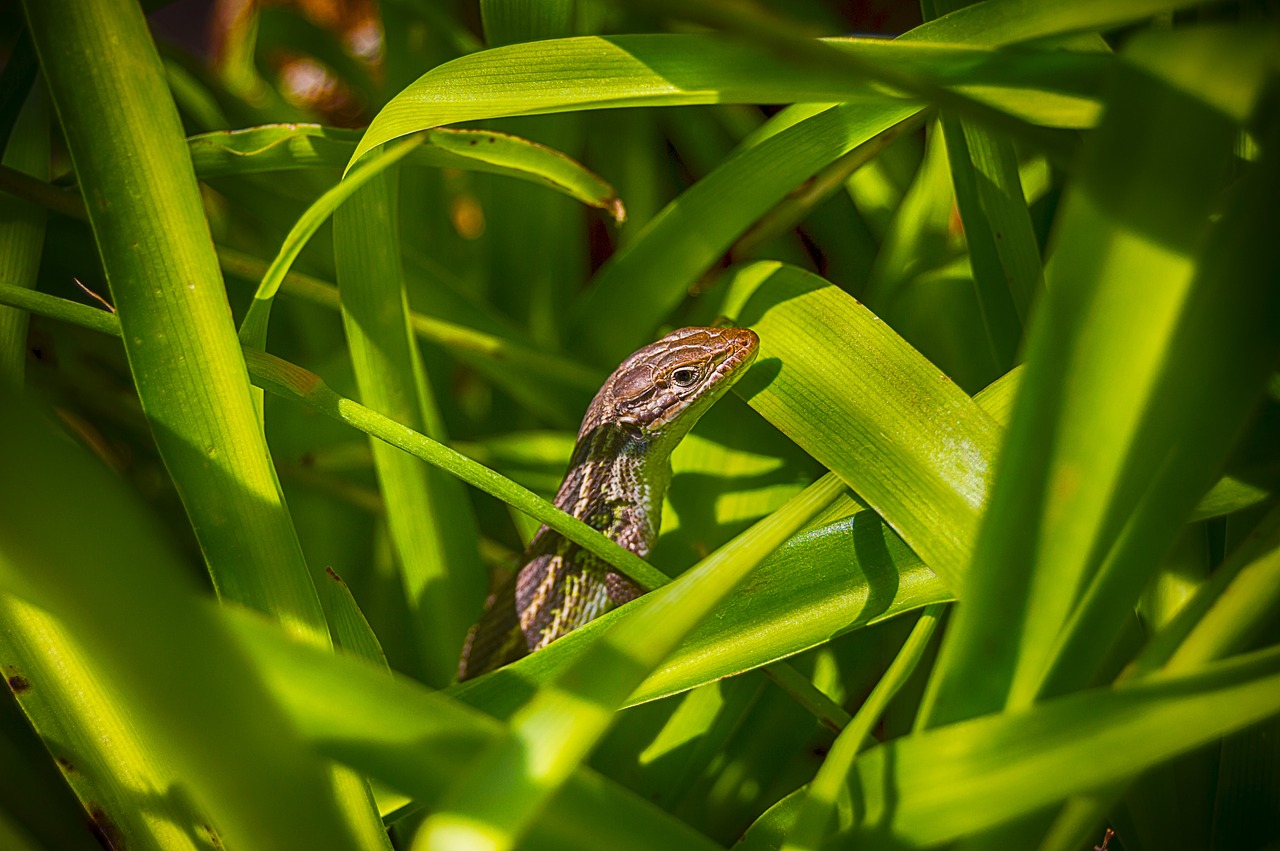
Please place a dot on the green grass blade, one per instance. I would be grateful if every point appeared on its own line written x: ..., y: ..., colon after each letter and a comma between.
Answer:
x: 530, y: 283
x: 1229, y: 611
x: 506, y: 155
x: 959, y: 779
x: 74, y: 313
x: 286, y: 147
x: 253, y: 330
x: 591, y: 72
x: 1090, y: 500
x: 431, y: 523
x: 35, y: 795
x: 922, y: 281
x: 769, y: 832
x: 691, y: 234
x: 1003, y: 252
x: 801, y: 689
x: 22, y: 229
x: 351, y: 631
x: 828, y: 182
x: 818, y: 814
x: 551, y: 736
x: 414, y: 739
x: 194, y: 98
x: 165, y: 282
x: 794, y: 44
x: 83, y: 722
x: 270, y: 147
x: 997, y: 22
x: 882, y: 402
x: 1233, y: 314
x: 131, y: 162
x: 997, y: 226
x: 94, y: 597
x: 499, y: 355
x: 1229, y: 495
x: 1223, y: 616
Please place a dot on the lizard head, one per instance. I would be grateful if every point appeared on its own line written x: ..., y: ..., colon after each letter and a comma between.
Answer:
x: 662, y: 389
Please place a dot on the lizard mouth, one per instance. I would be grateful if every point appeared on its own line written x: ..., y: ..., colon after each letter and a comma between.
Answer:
x: 744, y: 347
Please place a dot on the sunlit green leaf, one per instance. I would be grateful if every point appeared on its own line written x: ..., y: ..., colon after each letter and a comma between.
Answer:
x: 961, y: 778
x: 898, y: 431
x: 591, y: 72
x: 1090, y: 499
x: 414, y: 739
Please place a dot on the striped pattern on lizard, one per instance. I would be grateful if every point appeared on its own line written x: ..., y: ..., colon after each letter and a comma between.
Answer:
x: 617, y: 477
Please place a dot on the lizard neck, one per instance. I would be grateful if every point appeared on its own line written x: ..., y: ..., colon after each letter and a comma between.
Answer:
x: 615, y: 483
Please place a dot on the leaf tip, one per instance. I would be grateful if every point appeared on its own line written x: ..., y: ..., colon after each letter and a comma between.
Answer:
x: 614, y: 207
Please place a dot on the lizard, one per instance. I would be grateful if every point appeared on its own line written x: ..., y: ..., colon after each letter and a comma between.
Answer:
x: 617, y: 477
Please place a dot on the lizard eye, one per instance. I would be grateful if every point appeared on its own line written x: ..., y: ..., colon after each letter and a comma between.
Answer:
x: 685, y: 376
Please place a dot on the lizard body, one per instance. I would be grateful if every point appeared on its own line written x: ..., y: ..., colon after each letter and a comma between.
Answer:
x: 616, y: 480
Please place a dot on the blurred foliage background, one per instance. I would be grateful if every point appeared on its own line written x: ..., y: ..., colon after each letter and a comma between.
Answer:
x: 1015, y: 272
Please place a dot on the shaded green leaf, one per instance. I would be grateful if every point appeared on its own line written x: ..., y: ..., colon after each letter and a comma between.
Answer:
x: 284, y: 147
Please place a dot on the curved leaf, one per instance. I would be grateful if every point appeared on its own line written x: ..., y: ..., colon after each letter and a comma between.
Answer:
x: 857, y: 397
x: 822, y: 583
x: 1144, y: 277
x: 430, y: 521
x: 691, y: 233
x: 595, y: 72
x: 102, y: 629
x: 284, y: 147
x: 253, y: 329
x: 550, y: 736
x: 414, y: 739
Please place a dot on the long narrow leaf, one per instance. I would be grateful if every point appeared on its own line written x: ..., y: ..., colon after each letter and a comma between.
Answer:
x: 899, y: 432
x: 690, y: 235
x: 1090, y: 499
x: 413, y: 738
x: 22, y: 229
x: 591, y: 72
x: 550, y: 736
x: 96, y: 592
x: 253, y: 330
x: 282, y: 147
x: 432, y: 526
x: 959, y: 779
